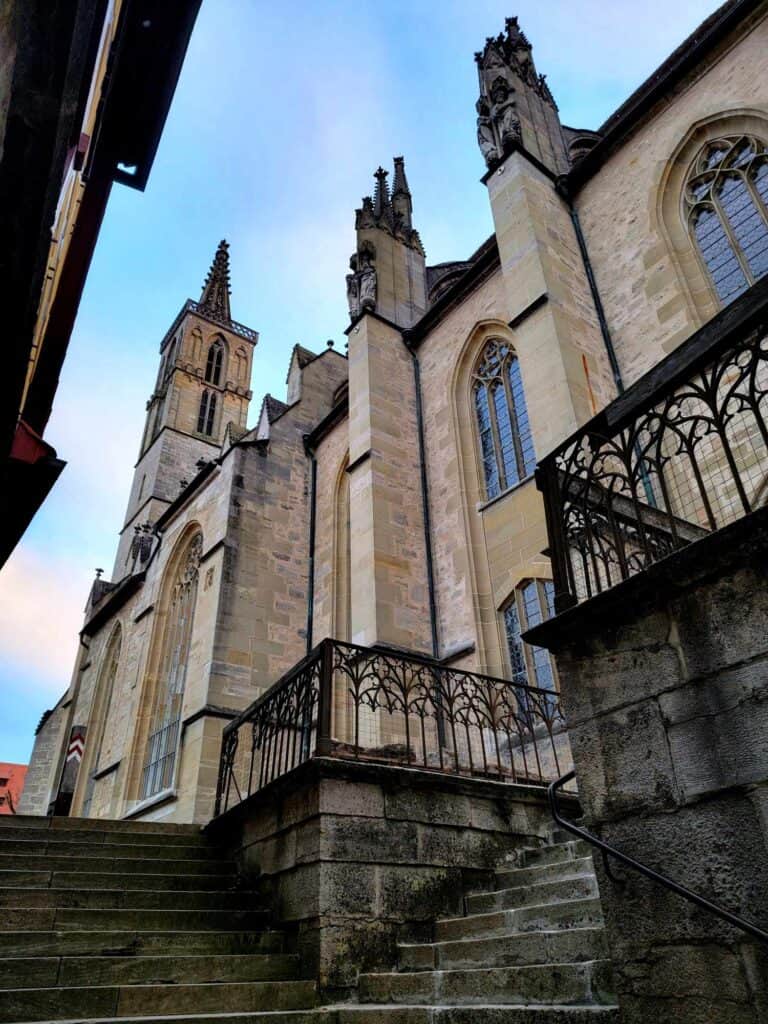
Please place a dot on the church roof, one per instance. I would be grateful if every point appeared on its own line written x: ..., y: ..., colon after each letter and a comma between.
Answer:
x: 273, y: 407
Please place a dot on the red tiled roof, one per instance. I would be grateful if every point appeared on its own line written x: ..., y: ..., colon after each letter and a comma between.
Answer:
x: 11, y: 784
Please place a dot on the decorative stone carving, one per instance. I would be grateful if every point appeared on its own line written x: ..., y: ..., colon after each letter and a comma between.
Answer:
x: 506, y: 62
x: 361, y: 283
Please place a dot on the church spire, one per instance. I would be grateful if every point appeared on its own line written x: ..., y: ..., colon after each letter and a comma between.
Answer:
x: 215, y: 297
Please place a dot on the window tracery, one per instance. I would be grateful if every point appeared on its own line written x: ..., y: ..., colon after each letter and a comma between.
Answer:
x: 163, y: 739
x: 726, y: 207
x: 531, y: 603
x: 504, y: 432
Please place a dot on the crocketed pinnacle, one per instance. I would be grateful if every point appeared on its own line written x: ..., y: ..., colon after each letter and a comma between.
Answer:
x: 381, y: 203
x: 400, y: 182
x: 215, y: 297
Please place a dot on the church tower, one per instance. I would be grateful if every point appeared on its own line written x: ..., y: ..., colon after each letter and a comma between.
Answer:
x: 388, y: 269
x: 202, y: 390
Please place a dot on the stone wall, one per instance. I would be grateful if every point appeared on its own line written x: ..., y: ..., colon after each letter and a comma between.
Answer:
x: 665, y: 685
x: 652, y: 283
x: 356, y: 857
x: 42, y: 773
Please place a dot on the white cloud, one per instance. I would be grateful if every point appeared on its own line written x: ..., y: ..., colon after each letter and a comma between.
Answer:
x: 41, y: 612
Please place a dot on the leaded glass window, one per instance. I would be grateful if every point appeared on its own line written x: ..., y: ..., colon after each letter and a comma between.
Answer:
x: 207, y: 413
x: 163, y: 739
x: 504, y: 431
x: 214, y: 362
x: 726, y: 199
x: 531, y: 603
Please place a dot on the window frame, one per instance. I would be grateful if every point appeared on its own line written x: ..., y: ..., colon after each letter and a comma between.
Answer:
x: 545, y: 590
x: 718, y: 173
x: 516, y: 412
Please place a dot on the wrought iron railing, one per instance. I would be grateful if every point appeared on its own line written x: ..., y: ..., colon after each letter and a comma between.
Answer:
x: 372, y: 705
x: 607, y: 851
x: 680, y: 454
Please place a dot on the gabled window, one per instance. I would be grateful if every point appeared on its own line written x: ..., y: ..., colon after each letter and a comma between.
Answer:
x: 214, y: 362
x: 207, y: 413
x: 531, y: 603
x: 726, y: 199
x: 504, y: 433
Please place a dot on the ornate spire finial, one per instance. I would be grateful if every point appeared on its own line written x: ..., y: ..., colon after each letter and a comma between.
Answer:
x: 215, y: 297
x: 381, y: 195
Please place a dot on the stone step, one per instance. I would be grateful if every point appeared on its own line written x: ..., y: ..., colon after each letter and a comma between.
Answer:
x: 21, y: 919
x: 318, y: 1015
x: 588, y: 983
x: 117, y: 865
x: 555, y: 891
x: 573, y: 850
x: 159, y: 828
x: 580, y: 913
x: 392, y: 1014
x: 476, y: 1014
x: 170, y: 881
x: 95, y: 836
x: 47, y: 1004
x: 541, y: 947
x: 509, y: 878
x: 73, y: 972
x: 145, y: 942
x: 129, y: 899
x: 134, y: 851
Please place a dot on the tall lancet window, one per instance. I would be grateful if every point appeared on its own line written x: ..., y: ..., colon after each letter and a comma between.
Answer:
x: 207, y: 412
x: 214, y: 362
x: 504, y: 432
x: 726, y: 199
x: 163, y: 739
x: 101, y: 706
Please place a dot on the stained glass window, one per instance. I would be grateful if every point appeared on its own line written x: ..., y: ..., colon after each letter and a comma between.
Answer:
x: 726, y: 197
x: 531, y: 603
x: 506, y: 443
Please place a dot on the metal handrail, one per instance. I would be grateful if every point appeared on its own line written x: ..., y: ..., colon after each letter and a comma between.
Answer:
x: 609, y: 851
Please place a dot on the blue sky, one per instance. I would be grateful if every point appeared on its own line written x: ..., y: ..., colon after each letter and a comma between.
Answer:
x: 282, y: 113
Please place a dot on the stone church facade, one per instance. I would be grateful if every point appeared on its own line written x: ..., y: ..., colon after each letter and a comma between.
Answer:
x: 389, y: 499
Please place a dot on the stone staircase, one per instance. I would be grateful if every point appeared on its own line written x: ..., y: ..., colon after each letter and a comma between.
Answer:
x: 113, y: 920
x: 105, y: 921
x: 533, y: 950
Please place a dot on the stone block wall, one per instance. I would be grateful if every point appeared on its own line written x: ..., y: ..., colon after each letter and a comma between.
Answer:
x: 665, y: 686
x: 357, y: 857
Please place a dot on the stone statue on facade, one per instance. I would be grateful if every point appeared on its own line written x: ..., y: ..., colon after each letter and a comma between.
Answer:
x: 361, y: 283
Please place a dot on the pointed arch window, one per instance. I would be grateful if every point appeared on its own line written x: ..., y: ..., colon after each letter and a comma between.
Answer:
x: 207, y: 413
x: 215, y: 362
x: 504, y: 431
x: 242, y: 363
x: 103, y: 698
x: 726, y: 200
x: 163, y: 739
x: 532, y: 602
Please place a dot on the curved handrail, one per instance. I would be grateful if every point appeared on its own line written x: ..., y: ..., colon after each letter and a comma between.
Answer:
x: 668, y: 883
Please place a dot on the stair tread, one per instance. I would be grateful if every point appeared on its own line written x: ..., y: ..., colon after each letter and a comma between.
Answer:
x: 529, y: 908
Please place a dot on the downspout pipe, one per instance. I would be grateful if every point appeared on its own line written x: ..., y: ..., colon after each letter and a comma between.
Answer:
x: 425, y: 501
x: 563, y: 190
x: 312, y: 531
